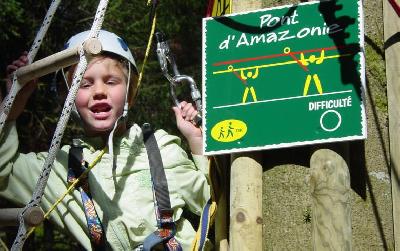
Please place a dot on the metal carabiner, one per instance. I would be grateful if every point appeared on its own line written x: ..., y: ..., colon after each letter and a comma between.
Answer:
x: 164, y: 56
x: 194, y: 93
x: 166, y: 59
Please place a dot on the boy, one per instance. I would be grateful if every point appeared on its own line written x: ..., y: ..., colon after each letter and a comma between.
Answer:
x: 121, y: 187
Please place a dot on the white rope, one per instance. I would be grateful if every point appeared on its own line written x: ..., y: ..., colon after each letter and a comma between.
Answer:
x: 61, y: 125
x: 16, y: 87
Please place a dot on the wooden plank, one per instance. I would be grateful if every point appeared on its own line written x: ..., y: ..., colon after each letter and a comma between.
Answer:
x: 392, y: 55
x: 331, y: 196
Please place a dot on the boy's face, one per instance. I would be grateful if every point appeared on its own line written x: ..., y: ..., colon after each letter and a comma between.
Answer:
x: 101, y: 96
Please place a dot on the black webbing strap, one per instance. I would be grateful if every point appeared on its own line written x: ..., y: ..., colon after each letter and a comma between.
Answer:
x: 75, y: 158
x: 156, y: 169
x: 166, y: 225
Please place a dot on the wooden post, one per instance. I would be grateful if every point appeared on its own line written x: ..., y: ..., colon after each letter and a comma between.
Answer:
x: 331, y: 194
x: 245, y: 230
x: 331, y: 198
x: 392, y: 55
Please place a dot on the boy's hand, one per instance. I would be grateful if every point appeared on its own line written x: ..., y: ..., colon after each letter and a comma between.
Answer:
x: 184, y: 120
x: 25, y: 92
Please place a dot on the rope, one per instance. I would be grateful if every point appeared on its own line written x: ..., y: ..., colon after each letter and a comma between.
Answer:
x: 71, y: 187
x: 61, y: 125
x: 149, y: 42
x: 16, y: 87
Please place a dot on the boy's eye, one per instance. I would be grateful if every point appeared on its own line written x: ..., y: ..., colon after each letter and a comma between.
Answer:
x: 113, y: 81
x: 85, y: 84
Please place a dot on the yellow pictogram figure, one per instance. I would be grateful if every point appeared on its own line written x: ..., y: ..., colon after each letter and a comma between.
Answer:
x: 249, y: 74
x: 316, y: 81
x: 246, y: 93
x: 243, y: 77
x: 312, y: 59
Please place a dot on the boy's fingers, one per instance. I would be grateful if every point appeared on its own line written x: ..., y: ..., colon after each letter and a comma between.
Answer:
x: 10, y: 69
x: 186, y: 110
x: 178, y: 113
x: 19, y: 63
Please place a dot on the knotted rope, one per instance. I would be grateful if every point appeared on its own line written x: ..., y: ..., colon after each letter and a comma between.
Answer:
x: 61, y: 125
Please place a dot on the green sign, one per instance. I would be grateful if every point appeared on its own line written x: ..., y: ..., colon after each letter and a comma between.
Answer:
x: 284, y: 76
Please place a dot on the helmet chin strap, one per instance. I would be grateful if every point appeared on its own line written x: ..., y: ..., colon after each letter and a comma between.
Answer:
x: 121, y: 119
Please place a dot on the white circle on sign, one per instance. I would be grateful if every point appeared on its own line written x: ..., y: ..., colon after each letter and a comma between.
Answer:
x: 338, y: 124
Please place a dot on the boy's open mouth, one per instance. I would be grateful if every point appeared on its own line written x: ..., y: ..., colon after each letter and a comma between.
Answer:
x: 100, y: 110
x: 103, y: 107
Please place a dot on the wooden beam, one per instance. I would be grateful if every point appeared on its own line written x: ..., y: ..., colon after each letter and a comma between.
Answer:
x: 331, y: 196
x: 34, y: 216
x: 392, y: 55
x: 56, y: 61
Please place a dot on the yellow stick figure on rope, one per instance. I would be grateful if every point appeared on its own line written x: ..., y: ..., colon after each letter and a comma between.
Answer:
x: 243, y: 77
x: 303, y: 62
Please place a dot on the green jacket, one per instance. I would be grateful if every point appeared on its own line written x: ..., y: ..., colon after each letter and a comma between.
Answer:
x: 123, y: 198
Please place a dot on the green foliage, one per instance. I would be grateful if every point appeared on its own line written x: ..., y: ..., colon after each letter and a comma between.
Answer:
x: 10, y: 19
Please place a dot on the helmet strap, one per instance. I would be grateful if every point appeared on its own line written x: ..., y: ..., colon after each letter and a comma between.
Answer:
x: 126, y: 105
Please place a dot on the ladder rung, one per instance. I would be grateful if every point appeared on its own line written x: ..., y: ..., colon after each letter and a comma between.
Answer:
x: 56, y: 61
x: 32, y: 217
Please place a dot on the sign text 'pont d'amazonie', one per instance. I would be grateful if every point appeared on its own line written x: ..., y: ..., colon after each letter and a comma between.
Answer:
x: 284, y: 76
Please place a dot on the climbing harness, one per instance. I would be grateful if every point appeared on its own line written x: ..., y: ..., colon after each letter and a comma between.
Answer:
x: 76, y: 166
x: 166, y: 59
x: 165, y: 233
x: 61, y: 125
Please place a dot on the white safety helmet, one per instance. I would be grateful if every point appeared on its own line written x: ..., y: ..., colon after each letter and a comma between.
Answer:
x: 110, y: 42
x: 114, y: 44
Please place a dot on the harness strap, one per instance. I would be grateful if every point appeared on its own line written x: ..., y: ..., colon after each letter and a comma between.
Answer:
x: 166, y: 226
x: 76, y: 166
